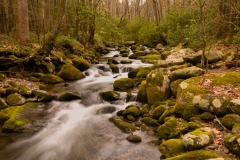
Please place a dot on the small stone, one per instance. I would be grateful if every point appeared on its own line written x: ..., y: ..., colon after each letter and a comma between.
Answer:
x: 134, y: 138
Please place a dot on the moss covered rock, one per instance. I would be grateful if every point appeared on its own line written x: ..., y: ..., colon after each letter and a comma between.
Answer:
x: 198, y: 138
x: 3, y: 104
x: 2, y: 91
x: 110, y: 95
x: 134, y: 138
x: 186, y: 73
x: 69, y: 96
x: 43, y: 96
x: 234, y: 106
x: 114, y: 68
x: 124, y: 126
x: 134, y: 111
x: 207, y: 116
x: 174, y: 86
x: 142, y: 92
x: 232, y: 142
x: 25, y: 91
x: 11, y: 90
x: 13, y: 84
x: 158, y: 111
x: 137, y: 54
x: 51, y: 79
x: 151, y: 58
x: 165, y: 114
x: 2, y: 77
x: 229, y: 120
x: 69, y: 72
x: 171, y: 148
x: 15, y: 99
x: 126, y: 61
x: 157, y: 86
x: 197, y: 155
x: 81, y: 63
x: 150, y: 121
x: 236, y: 128
x: 123, y: 84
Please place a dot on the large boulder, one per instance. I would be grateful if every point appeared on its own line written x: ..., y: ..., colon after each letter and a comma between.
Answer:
x: 198, y: 138
x: 234, y: 106
x: 69, y: 72
x: 25, y: 91
x: 171, y: 147
x: 157, y: 86
x: 177, y: 54
x: 69, y: 96
x: 51, y: 79
x: 110, y: 95
x: 232, y: 142
x: 43, y: 96
x: 150, y: 58
x: 3, y: 104
x: 123, y: 84
x: 81, y: 63
x: 186, y: 73
x: 142, y: 92
x: 15, y: 99
x: 138, y: 54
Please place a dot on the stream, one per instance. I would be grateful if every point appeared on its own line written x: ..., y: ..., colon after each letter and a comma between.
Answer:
x: 80, y: 130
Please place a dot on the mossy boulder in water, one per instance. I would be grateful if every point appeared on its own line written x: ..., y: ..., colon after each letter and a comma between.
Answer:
x: 51, y: 79
x: 69, y: 72
x: 134, y: 138
x: 165, y: 114
x: 25, y: 91
x: 126, y: 61
x: 197, y: 155
x: 171, y: 147
x: 198, y: 138
x: 2, y: 91
x: 150, y: 58
x: 13, y: 84
x: 150, y: 121
x: 157, y: 86
x: 230, y: 120
x: 110, y: 95
x: 124, y: 126
x: 132, y: 110
x: 138, y: 54
x: 15, y: 99
x: 142, y: 92
x: 81, y: 63
x: 232, y: 142
x: 123, y: 84
x: 43, y: 96
x: 69, y: 96
x: 114, y: 68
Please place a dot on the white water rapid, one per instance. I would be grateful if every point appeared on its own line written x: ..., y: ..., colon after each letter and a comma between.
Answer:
x: 80, y: 130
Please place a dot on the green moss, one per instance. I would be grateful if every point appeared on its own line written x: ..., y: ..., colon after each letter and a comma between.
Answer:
x: 158, y: 111
x: 114, y: 68
x: 41, y: 86
x: 232, y: 78
x: 51, y: 79
x: 25, y: 91
x: 165, y: 114
x: 131, y: 118
x: 142, y: 73
x: 126, y: 61
x: 134, y: 138
x: 134, y: 111
x: 110, y: 95
x: 207, y: 116
x: 150, y: 121
x: 142, y: 93
x: 232, y: 143
x: 81, y: 63
x: 229, y: 120
x: 174, y: 86
x: 194, y: 125
x: 123, y: 84
x: 151, y: 58
x: 69, y: 96
x: 124, y: 126
x: 33, y: 79
x: 15, y: 99
x: 69, y: 72
x: 172, y: 147
x: 196, y: 155
x: 13, y: 84
x: 145, y: 109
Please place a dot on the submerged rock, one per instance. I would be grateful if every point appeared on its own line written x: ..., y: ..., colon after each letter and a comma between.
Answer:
x: 69, y: 72
x: 134, y: 138
x: 110, y: 95
x: 25, y: 91
x: 123, y: 84
x: 81, y: 63
x: 69, y: 96
x: 43, y: 96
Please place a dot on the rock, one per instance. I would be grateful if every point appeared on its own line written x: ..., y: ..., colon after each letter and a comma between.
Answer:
x: 2, y: 91
x: 33, y: 79
x: 2, y: 77
x: 111, y: 60
x: 150, y: 58
x: 11, y: 90
x: 124, y: 50
x: 51, y: 79
x: 193, y: 58
x: 166, y: 64
x: 134, y: 111
x: 232, y: 142
x: 43, y: 96
x: 197, y: 155
x: 15, y: 99
x: 15, y: 119
x: 134, y: 138
x: 207, y: 116
x: 236, y: 128
x: 230, y: 120
x: 158, y: 111
x: 81, y: 63
x: 126, y: 61
x: 106, y: 110
x: 69, y: 72
x: 178, y: 54
x: 157, y: 86
x: 174, y: 86
x: 25, y: 91
x: 131, y: 118
x: 171, y: 148
x: 69, y: 96
x: 142, y: 92
x: 41, y: 86
x: 234, y: 106
x: 124, y: 126
x: 159, y: 46
x: 150, y: 121
x: 165, y: 114
x: 46, y: 67
x: 3, y: 104
x: 114, y: 68
x: 123, y: 84
x: 110, y: 95
x: 139, y: 72
x: 137, y: 54
x: 198, y: 138
x: 13, y: 84
x: 186, y: 73
x: 213, y: 56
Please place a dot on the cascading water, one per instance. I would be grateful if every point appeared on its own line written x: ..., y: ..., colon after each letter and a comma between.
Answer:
x: 80, y: 130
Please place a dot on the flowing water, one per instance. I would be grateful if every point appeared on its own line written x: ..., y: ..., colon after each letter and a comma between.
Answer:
x: 80, y: 130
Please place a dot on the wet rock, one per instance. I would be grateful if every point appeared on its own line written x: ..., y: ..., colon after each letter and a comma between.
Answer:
x: 112, y: 60
x: 15, y: 99
x: 150, y: 121
x: 110, y: 95
x: 171, y: 148
x: 69, y: 96
x: 3, y: 104
x: 174, y: 86
x: 69, y: 72
x: 123, y: 84
x: 198, y: 138
x: 207, y: 116
x: 165, y: 114
x: 81, y: 63
x: 142, y: 92
x: 106, y: 110
x: 134, y: 111
x: 134, y: 138
x: 25, y: 91
x: 186, y: 73
x: 126, y: 61
x: 43, y: 96
x: 236, y: 128
x: 157, y: 86
x: 150, y: 58
x: 234, y: 106
x: 124, y: 126
x: 230, y: 120
x: 197, y: 155
x: 51, y: 79
x: 232, y: 142
x: 114, y: 68
x: 137, y: 54
x: 46, y: 67
x: 158, y: 111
